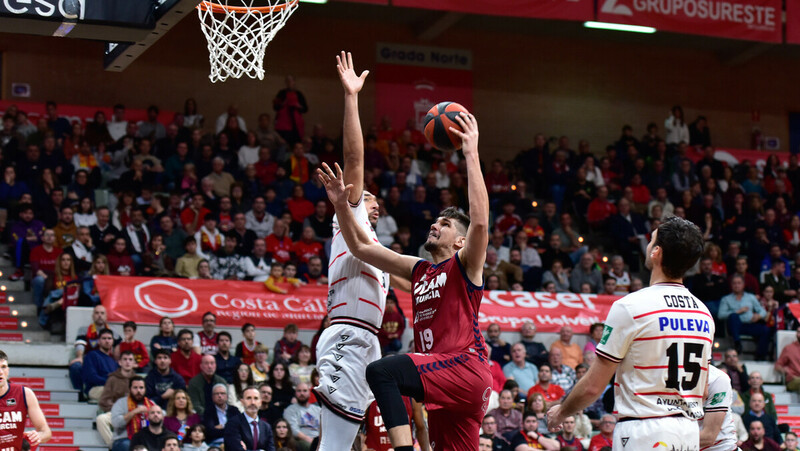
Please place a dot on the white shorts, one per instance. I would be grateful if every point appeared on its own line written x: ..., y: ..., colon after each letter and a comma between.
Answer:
x: 657, y: 434
x: 343, y: 353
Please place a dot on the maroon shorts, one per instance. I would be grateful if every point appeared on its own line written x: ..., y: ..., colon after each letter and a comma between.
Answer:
x: 457, y: 389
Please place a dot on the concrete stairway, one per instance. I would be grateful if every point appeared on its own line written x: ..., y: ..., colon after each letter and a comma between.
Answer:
x: 72, y: 422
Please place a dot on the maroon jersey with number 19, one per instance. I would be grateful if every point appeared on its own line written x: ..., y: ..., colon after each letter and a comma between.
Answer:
x: 13, y: 413
x: 445, y: 302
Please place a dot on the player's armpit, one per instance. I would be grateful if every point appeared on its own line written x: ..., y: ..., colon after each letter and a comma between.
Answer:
x: 399, y: 283
x: 712, y: 424
x: 36, y: 416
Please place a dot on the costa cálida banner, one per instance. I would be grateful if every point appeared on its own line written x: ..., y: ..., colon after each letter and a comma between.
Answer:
x: 753, y: 20
x: 145, y: 301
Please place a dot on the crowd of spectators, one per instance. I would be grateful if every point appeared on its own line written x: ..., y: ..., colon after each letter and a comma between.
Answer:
x: 238, y: 202
x: 242, y: 203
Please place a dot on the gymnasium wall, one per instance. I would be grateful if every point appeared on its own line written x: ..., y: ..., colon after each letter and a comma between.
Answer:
x: 523, y: 83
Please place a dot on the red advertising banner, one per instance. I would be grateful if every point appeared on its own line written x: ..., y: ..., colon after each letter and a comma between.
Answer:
x: 411, y: 79
x: 83, y: 113
x: 543, y: 9
x: 145, y: 301
x: 753, y: 20
x: 793, y: 21
x: 732, y: 157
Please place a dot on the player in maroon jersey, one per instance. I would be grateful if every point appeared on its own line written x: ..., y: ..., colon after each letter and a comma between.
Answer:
x: 17, y: 404
x: 450, y: 370
x: 378, y: 437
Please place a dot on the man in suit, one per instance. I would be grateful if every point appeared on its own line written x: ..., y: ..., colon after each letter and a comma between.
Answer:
x: 217, y: 418
x: 246, y: 431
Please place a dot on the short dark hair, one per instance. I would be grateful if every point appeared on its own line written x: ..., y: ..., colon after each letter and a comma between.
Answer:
x: 3, y: 356
x: 681, y: 244
x: 246, y: 325
x: 128, y: 324
x: 224, y: 334
x: 209, y: 313
x: 105, y: 331
x: 528, y: 413
x: 161, y: 351
x: 183, y: 332
x: 169, y: 437
x: 128, y: 352
x: 134, y: 379
x: 189, y: 239
x: 291, y: 327
x: 454, y: 213
x: 542, y: 365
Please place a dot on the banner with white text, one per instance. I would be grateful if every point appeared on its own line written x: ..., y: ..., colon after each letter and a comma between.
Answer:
x: 753, y: 20
x: 410, y: 79
x: 146, y: 300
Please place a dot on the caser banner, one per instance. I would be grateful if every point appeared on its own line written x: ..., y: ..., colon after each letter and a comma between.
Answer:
x: 754, y: 20
x: 146, y: 301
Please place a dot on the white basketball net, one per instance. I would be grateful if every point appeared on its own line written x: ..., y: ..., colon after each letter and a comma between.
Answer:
x: 237, y: 38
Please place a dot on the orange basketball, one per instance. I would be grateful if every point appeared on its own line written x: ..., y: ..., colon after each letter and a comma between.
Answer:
x: 438, y: 122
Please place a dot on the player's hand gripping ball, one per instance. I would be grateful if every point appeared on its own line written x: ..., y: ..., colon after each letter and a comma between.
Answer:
x: 438, y: 122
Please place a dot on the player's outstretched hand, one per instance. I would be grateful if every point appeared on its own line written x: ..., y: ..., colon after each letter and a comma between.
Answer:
x: 351, y: 82
x: 33, y: 438
x: 469, y: 137
x: 554, y: 418
x: 334, y: 184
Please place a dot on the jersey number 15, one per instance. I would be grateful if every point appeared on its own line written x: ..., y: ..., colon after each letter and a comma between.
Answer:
x: 692, y: 365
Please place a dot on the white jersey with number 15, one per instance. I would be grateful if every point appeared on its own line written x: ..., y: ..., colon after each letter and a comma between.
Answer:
x: 661, y: 336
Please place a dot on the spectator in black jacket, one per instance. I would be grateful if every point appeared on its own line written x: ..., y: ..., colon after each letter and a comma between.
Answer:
x: 627, y: 228
x: 757, y: 413
x: 214, y: 419
x: 162, y: 381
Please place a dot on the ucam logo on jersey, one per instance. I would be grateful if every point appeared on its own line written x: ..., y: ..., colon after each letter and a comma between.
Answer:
x: 426, y: 290
x: 758, y: 20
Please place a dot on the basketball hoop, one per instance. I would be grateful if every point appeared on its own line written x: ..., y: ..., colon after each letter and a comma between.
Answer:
x: 238, y: 34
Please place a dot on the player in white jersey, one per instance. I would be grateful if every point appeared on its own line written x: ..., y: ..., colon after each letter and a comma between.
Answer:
x: 717, y: 430
x: 356, y: 295
x: 658, y: 342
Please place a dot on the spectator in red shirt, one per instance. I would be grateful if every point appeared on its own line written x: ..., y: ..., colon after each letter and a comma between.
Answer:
x: 600, y: 209
x: 551, y: 392
x: 278, y: 243
x: 392, y: 328
x: 130, y: 343
x: 497, y: 182
x: 120, y: 262
x: 266, y: 167
x: 299, y: 206
x: 641, y: 194
x: 43, y: 265
x: 192, y: 216
x: 509, y: 221
x: 307, y: 247
x: 185, y: 361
